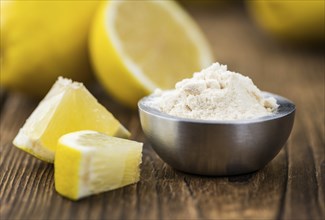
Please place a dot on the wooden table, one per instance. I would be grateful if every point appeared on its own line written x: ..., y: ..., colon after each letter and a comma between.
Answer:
x: 289, y: 187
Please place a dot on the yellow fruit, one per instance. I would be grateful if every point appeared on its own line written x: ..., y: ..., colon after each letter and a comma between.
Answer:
x: 66, y: 108
x: 294, y: 21
x: 137, y: 46
x: 41, y: 40
x: 89, y: 162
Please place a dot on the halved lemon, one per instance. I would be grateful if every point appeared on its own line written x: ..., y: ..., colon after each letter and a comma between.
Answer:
x: 67, y: 107
x: 89, y: 162
x: 137, y: 46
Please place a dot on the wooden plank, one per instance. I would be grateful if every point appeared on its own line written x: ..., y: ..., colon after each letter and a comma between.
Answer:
x: 242, y: 197
x: 161, y: 193
x: 17, y: 169
x: 306, y: 158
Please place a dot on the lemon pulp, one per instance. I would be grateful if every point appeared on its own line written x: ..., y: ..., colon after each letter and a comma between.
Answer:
x: 89, y: 162
x: 137, y: 46
x: 68, y: 107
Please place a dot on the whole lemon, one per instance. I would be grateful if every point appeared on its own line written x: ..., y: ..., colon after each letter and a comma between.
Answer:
x: 290, y: 21
x: 41, y: 40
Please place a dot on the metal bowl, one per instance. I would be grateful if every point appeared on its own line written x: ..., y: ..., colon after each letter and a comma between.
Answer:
x: 209, y: 147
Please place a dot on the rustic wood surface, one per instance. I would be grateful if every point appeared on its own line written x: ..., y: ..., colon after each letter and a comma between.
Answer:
x: 292, y: 186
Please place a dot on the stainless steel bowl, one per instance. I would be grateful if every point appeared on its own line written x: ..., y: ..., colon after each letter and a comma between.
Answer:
x: 208, y: 147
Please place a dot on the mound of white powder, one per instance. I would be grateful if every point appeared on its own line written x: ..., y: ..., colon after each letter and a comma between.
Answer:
x: 215, y: 93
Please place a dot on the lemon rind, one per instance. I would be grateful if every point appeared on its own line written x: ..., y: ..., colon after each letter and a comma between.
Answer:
x: 89, y: 174
x: 33, y: 147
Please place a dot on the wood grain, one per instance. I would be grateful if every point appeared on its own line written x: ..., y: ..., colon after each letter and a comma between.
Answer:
x: 292, y: 186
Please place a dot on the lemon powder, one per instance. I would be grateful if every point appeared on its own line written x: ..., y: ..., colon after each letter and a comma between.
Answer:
x: 215, y: 93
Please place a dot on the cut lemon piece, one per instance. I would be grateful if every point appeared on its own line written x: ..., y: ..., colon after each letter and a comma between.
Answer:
x: 137, y: 46
x: 67, y: 107
x: 89, y: 162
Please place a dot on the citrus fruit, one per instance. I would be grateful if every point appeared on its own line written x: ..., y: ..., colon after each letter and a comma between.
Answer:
x: 67, y: 107
x: 89, y: 162
x: 290, y: 21
x: 137, y: 46
x: 41, y: 40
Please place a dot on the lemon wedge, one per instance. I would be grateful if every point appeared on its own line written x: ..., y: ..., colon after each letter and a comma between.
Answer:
x: 89, y: 162
x: 67, y: 107
x: 137, y: 46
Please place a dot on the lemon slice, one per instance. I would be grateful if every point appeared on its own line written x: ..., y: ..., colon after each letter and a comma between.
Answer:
x: 137, y: 46
x: 89, y: 162
x: 67, y: 107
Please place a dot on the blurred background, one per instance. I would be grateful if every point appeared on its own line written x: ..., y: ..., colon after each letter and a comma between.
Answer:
x: 41, y: 40
x: 279, y: 44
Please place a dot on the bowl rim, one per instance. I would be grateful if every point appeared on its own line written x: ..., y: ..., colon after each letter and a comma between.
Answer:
x: 286, y: 107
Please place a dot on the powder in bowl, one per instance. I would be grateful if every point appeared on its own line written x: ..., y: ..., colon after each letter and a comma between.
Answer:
x: 215, y: 93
